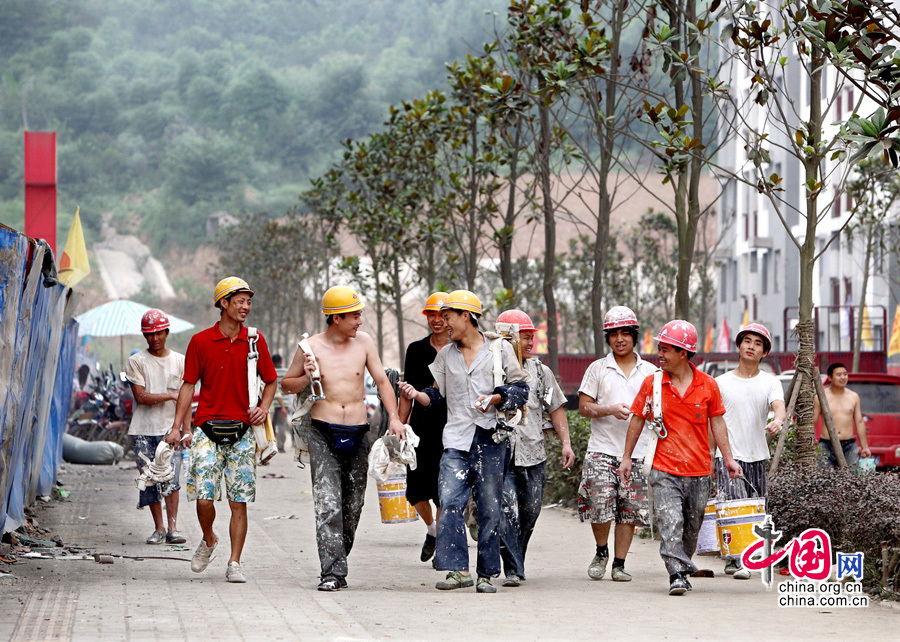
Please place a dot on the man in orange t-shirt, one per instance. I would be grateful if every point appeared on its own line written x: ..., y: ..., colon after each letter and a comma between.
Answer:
x: 693, y: 414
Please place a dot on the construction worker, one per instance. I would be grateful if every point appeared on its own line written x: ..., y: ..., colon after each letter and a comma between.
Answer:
x: 691, y: 407
x: 155, y: 377
x: 748, y: 394
x: 523, y: 488
x: 426, y: 421
x: 224, y: 445
x: 338, y: 439
x: 607, y: 390
x: 476, y: 446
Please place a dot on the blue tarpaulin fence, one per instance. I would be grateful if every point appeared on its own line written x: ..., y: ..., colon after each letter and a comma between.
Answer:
x: 37, y: 353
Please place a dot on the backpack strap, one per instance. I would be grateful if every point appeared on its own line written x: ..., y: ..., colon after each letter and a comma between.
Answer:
x: 252, y: 360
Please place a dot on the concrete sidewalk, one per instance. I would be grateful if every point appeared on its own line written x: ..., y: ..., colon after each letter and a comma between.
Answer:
x: 391, y: 594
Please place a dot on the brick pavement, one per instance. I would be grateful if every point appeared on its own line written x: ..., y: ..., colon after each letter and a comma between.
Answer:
x: 391, y: 593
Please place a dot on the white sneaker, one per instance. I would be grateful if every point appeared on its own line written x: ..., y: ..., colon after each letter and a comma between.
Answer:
x: 201, y: 556
x: 234, y: 573
x: 742, y: 574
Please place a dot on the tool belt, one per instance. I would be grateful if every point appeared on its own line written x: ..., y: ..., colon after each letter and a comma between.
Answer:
x: 224, y: 432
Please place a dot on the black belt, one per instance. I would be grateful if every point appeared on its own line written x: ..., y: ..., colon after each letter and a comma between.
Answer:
x: 844, y: 442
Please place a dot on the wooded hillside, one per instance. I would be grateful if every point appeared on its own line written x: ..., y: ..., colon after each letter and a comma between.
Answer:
x: 169, y: 110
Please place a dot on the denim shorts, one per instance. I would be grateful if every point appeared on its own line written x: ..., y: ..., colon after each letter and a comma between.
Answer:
x: 154, y: 494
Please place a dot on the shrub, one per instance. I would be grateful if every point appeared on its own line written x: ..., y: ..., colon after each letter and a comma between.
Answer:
x: 562, y: 485
x: 859, y: 512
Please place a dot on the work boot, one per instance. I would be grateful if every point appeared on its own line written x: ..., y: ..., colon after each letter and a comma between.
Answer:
x: 732, y: 567
x: 597, y: 569
x: 329, y: 583
x: 511, y: 580
x: 620, y: 575
x: 427, y: 548
x: 175, y: 537
x: 678, y: 584
x: 742, y: 573
x: 454, y: 580
x: 158, y: 537
x: 485, y: 586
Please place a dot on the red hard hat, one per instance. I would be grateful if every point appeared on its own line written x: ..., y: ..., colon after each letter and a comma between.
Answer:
x: 619, y: 317
x: 153, y: 321
x: 755, y: 328
x: 681, y: 334
x: 519, y: 318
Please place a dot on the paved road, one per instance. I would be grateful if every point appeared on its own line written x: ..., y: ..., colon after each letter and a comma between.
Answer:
x: 391, y: 594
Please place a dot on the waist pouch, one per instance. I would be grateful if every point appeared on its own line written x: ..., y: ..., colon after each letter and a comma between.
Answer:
x: 224, y: 432
x: 342, y: 440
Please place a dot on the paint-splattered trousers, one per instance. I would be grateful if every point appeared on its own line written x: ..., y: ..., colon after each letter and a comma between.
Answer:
x: 523, y: 494
x: 751, y: 484
x: 339, y: 490
x: 679, y: 503
x: 482, y: 468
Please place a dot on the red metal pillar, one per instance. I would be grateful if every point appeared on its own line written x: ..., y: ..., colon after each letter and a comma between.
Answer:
x: 40, y: 186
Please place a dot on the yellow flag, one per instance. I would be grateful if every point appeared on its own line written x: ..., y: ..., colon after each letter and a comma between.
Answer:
x: 866, y: 336
x: 708, y: 344
x: 746, y: 320
x: 73, y: 264
x: 894, y: 345
x: 647, y: 347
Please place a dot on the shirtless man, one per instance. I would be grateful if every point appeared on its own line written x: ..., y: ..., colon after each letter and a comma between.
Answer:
x: 845, y: 409
x: 338, y: 446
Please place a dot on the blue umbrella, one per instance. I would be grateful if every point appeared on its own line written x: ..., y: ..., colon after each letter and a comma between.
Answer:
x: 119, y: 318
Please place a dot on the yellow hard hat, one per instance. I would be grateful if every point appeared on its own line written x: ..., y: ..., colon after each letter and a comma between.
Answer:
x: 228, y: 286
x: 434, y: 302
x: 341, y: 299
x: 462, y: 300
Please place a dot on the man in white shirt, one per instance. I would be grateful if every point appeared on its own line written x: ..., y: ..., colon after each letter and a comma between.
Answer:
x: 748, y: 394
x: 155, y: 378
x: 607, y: 390
x: 476, y: 448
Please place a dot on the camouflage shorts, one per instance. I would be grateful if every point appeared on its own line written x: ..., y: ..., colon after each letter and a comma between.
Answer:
x: 210, y: 462
x: 603, y: 498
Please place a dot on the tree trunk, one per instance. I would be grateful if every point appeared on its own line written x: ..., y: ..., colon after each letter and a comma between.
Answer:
x: 690, y: 215
x: 549, y: 237
x: 857, y: 342
x: 473, y: 231
x: 806, y: 329
x: 604, y: 201
x: 508, y: 232
x: 398, y: 308
x: 379, y: 310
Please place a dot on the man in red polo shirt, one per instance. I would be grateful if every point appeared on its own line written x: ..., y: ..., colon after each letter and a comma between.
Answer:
x: 692, y: 409
x: 225, y: 445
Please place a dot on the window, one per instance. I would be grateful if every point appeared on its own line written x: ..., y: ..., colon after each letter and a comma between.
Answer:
x: 755, y: 308
x: 835, y: 292
x: 775, y: 267
x: 764, y: 277
x: 734, y: 276
x: 723, y: 282
x: 754, y: 264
